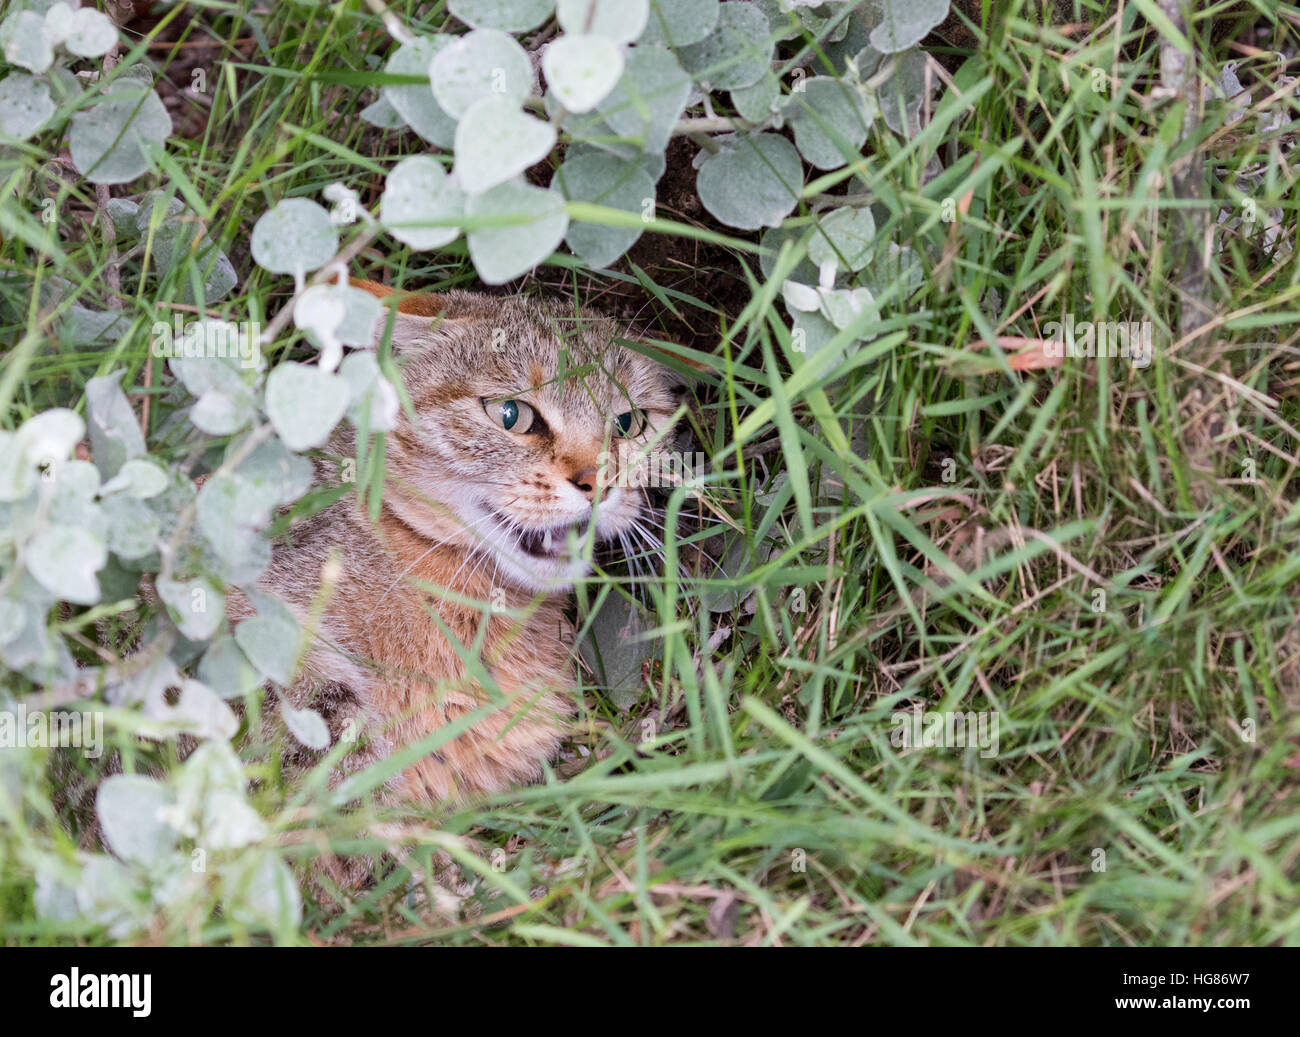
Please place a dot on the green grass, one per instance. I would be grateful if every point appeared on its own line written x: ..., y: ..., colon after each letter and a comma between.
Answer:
x: 771, y: 807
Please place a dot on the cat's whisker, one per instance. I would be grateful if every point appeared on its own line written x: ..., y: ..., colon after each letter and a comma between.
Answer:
x: 630, y: 555
x: 656, y: 545
x: 484, y: 545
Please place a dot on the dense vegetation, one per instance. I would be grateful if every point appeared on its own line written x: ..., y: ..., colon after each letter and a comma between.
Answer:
x: 924, y: 497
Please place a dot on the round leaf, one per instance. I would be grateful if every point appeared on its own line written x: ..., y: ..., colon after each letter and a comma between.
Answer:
x: 133, y: 529
x: 295, y: 236
x: 415, y: 103
x: 830, y: 121
x: 845, y: 236
x: 109, y: 143
x: 582, y: 70
x: 495, y: 141
x: 509, y: 15
x: 905, y: 23
x: 757, y: 103
x: 361, y: 313
x: 753, y: 182
x: 90, y: 33
x: 229, y: 822
x: 64, y: 560
x: 129, y: 807
x: 199, y: 711
x: 140, y: 478
x: 272, y: 471
x: 680, y: 22
x: 307, y: 726
x: 649, y: 99
x: 485, y: 63
x: 737, y: 53
x: 531, y: 224
x: 374, y: 399
x: 800, y: 296
x: 319, y: 312
x: 220, y: 413
x: 304, y: 404
x: 226, y: 670
x: 608, y: 180
x: 812, y: 332
x: 842, y: 306
x: 59, y: 21
x: 25, y: 105
x: 51, y: 435
x: 196, y: 607
x: 24, y: 42
x: 772, y: 241
x: 619, y: 20
x: 270, y: 640
x: 419, y: 198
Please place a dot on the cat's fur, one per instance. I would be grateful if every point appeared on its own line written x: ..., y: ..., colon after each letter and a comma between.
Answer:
x: 380, y: 664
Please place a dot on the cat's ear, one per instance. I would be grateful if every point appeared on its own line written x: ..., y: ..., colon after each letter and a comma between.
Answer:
x: 427, y: 304
x: 415, y: 316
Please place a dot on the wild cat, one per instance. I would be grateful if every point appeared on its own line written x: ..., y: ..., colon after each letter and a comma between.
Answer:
x: 494, y: 482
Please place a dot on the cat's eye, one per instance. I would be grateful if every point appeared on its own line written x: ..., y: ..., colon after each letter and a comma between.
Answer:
x: 630, y: 423
x: 512, y: 415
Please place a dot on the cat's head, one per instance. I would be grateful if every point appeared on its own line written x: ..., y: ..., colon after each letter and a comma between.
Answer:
x: 525, y: 416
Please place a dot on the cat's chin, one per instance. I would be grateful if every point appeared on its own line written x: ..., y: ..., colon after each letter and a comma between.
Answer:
x: 542, y: 560
x: 541, y: 575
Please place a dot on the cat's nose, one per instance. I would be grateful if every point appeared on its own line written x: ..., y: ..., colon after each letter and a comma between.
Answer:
x: 585, y: 481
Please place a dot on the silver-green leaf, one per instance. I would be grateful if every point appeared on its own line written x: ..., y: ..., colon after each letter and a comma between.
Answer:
x: 905, y: 23
x: 830, y: 119
x: 110, y: 142
x: 304, y: 404
x: 737, y: 53
x: 64, y: 560
x: 307, y: 726
x: 604, y: 179
x: 421, y: 204
x: 754, y: 181
x: 295, y: 236
x: 508, y: 15
x: 649, y: 99
x: 484, y: 63
x: 496, y: 141
x: 530, y: 224
x: 619, y: 20
x: 25, y: 105
x: 415, y: 102
x: 582, y: 70
x: 680, y: 22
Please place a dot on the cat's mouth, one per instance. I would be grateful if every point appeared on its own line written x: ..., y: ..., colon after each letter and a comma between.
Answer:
x: 550, y: 541
x: 546, y: 557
